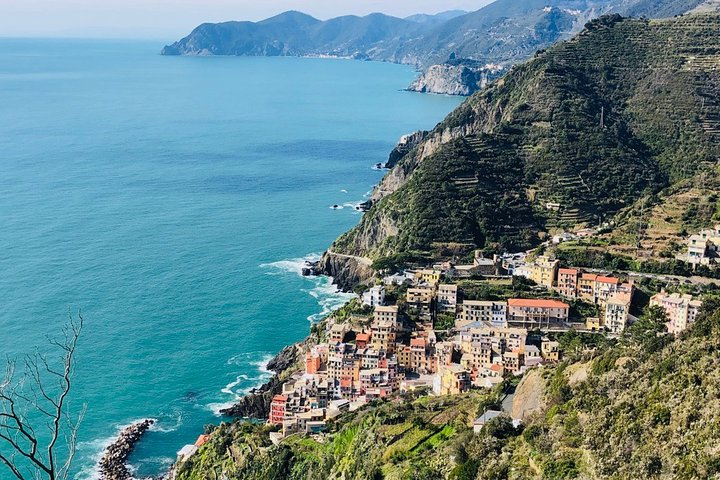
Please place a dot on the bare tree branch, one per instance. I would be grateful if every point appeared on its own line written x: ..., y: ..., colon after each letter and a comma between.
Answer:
x: 40, y: 395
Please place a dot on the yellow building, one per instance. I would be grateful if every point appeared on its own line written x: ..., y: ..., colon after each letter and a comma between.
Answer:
x: 383, y: 334
x: 451, y: 379
x: 593, y: 323
x: 550, y: 350
x: 543, y: 271
x: 420, y: 297
x: 428, y: 276
x: 389, y: 314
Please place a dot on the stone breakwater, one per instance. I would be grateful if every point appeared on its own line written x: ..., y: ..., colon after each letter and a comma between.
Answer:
x: 113, y: 465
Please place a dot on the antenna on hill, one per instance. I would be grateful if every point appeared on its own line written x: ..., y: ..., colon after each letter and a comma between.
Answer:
x: 602, y: 117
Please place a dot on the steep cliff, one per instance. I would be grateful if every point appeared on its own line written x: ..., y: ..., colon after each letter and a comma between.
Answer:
x: 456, y: 78
x: 347, y: 271
x: 256, y: 404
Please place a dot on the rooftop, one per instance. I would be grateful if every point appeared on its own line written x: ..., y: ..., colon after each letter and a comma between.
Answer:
x: 568, y: 271
x: 612, y: 280
x: 537, y: 303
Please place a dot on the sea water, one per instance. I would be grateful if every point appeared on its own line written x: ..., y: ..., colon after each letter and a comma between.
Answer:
x: 174, y: 201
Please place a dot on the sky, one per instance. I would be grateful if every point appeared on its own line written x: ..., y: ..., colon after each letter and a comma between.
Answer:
x: 172, y: 19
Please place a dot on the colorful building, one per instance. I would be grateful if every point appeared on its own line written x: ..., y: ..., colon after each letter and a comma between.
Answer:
x: 567, y: 283
x: 537, y: 313
x: 682, y: 310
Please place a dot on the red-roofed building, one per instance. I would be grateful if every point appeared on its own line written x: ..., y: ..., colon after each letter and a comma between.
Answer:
x: 532, y: 313
x: 202, y: 440
x: 418, y: 342
x: 567, y: 284
x: 362, y: 340
x: 277, y: 409
x: 605, y: 287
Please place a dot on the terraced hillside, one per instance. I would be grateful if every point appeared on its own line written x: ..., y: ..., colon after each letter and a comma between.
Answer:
x: 626, y: 109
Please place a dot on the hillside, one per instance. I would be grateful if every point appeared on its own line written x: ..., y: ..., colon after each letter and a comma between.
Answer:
x: 626, y: 109
x: 643, y: 407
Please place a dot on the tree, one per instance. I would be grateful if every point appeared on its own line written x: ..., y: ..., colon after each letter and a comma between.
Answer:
x: 35, y: 421
x: 650, y: 330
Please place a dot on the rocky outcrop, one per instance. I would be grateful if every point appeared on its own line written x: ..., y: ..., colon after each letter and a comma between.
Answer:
x: 113, y: 465
x: 406, y: 144
x: 455, y: 79
x: 405, y: 166
x: 256, y: 404
x: 347, y: 271
x: 529, y: 396
x: 287, y: 357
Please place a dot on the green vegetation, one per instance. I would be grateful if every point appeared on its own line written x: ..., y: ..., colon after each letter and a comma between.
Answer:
x: 591, y: 257
x: 353, y: 307
x: 645, y: 407
x: 402, y: 438
x: 627, y: 109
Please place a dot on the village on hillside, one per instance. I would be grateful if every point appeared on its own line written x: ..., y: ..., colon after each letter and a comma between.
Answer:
x: 447, y: 329
x: 423, y: 331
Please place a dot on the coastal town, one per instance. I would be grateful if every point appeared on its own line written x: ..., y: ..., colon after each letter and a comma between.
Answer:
x: 425, y: 331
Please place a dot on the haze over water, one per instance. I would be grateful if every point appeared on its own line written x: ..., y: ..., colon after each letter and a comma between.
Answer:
x: 173, y: 200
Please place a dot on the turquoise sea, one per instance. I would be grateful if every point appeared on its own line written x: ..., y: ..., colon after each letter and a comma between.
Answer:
x: 173, y: 201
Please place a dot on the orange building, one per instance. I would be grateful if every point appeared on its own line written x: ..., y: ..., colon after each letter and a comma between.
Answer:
x: 277, y: 409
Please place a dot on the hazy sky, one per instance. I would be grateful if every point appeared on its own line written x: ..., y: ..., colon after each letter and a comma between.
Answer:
x: 168, y: 19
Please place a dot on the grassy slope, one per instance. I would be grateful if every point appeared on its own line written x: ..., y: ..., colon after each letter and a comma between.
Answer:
x: 626, y: 109
x: 391, y: 440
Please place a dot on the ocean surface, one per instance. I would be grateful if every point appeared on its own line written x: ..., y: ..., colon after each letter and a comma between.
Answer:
x: 173, y: 201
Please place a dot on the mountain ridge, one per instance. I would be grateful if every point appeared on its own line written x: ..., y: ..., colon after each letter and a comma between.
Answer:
x: 502, y: 31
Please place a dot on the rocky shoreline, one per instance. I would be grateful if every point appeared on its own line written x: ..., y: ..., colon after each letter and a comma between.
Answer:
x: 256, y: 404
x: 113, y: 465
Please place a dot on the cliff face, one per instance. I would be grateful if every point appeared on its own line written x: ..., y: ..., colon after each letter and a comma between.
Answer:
x: 454, y: 79
x: 256, y: 404
x: 406, y: 144
x: 347, y: 271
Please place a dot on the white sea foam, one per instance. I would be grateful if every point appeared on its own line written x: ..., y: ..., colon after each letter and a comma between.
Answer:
x: 249, y: 382
x: 293, y: 265
x: 329, y: 298
x: 163, y: 426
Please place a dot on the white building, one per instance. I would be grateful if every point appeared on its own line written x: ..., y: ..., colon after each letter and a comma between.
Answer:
x: 374, y: 297
x: 482, y: 311
x: 617, y: 310
x: 447, y: 298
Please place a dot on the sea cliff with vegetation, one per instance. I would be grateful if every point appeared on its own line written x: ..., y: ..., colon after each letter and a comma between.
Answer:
x: 625, y: 112
x: 573, y: 137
